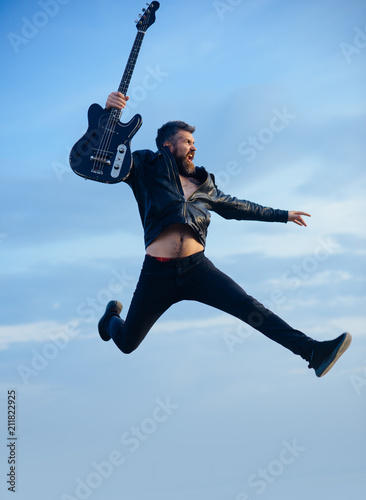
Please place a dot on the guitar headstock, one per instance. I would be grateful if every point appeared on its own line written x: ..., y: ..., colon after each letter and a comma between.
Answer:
x: 148, y: 16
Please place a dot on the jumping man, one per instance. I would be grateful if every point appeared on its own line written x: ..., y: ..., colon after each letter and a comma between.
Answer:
x: 174, y: 199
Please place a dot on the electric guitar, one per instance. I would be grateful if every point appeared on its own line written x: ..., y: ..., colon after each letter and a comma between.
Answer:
x: 103, y: 154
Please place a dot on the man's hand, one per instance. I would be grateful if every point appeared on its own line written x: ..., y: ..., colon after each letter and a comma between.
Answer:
x: 116, y: 100
x: 295, y: 216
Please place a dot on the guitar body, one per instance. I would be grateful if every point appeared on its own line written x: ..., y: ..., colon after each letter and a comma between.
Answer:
x: 103, y: 153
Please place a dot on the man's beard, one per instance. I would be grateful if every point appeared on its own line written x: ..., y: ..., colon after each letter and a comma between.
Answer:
x: 185, y: 167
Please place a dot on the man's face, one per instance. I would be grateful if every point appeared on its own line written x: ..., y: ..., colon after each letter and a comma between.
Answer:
x: 183, y: 149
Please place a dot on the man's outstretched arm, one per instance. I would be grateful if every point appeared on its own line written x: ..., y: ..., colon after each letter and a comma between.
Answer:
x: 295, y: 216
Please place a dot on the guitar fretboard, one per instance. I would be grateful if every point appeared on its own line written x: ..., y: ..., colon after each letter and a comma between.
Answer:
x: 127, y: 75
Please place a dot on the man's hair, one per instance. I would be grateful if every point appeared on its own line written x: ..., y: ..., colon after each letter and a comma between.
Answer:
x: 169, y: 130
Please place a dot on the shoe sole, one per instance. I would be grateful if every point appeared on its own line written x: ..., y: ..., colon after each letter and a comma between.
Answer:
x: 328, y: 363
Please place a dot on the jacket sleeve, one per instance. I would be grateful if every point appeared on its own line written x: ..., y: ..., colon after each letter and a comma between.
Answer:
x: 231, y: 207
x: 138, y: 159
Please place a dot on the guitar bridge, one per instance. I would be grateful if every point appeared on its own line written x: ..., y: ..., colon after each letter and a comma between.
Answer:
x: 101, y: 160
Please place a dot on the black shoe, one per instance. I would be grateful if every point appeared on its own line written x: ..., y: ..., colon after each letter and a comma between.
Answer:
x: 113, y: 308
x: 325, y: 354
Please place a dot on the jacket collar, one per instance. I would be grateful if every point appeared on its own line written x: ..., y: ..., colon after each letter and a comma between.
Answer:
x: 200, y: 172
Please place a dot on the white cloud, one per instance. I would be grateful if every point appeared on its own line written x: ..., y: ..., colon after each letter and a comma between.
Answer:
x: 41, y: 331
x: 45, y: 331
x: 313, y: 279
x: 72, y: 251
x: 266, y: 242
x: 356, y: 325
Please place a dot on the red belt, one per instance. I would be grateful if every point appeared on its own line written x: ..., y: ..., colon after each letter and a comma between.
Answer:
x: 161, y: 259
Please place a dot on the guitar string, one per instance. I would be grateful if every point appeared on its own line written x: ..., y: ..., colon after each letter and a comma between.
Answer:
x: 115, y: 115
x: 113, y: 118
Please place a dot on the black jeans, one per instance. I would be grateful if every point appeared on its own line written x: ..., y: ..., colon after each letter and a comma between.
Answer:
x: 162, y: 284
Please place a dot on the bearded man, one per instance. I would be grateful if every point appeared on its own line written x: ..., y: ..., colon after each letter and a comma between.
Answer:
x: 174, y: 199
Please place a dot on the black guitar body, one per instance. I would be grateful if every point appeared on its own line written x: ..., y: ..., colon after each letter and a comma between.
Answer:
x: 103, y: 154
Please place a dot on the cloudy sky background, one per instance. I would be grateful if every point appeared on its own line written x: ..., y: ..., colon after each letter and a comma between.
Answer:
x: 206, y: 408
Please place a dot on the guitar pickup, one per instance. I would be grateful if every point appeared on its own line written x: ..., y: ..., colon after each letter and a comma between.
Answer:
x: 118, y: 162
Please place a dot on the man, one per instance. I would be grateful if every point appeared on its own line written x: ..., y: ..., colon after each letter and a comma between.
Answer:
x: 174, y: 199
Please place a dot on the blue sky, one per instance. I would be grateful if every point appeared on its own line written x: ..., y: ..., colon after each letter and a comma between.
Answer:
x: 206, y: 408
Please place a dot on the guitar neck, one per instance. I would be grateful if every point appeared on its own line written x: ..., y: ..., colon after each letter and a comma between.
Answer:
x: 130, y: 66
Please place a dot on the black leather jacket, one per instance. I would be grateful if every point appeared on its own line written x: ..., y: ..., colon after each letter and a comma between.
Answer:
x: 154, y: 180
